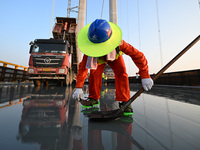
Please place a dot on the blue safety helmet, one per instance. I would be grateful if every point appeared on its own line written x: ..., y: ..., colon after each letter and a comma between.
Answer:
x: 99, y: 38
x: 99, y: 31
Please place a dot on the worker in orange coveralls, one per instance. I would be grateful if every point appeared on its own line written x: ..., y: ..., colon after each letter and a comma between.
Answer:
x: 101, y: 42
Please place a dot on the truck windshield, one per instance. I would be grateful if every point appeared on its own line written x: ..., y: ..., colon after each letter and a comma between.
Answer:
x: 49, y: 48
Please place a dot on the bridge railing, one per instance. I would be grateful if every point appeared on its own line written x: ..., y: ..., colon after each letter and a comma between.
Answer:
x: 14, y: 94
x: 183, y: 78
x: 10, y: 72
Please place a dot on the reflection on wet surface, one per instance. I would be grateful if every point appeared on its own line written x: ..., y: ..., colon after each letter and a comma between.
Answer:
x: 48, y: 118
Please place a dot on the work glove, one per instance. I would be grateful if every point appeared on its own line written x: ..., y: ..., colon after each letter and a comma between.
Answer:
x: 78, y: 94
x: 147, y: 84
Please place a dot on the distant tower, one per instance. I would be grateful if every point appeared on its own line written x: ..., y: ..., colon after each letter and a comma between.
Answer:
x: 112, y: 17
x: 68, y: 8
x: 71, y: 9
x: 81, y: 22
x: 113, y: 11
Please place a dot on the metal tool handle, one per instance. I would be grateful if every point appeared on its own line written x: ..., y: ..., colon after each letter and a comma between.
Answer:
x: 161, y: 71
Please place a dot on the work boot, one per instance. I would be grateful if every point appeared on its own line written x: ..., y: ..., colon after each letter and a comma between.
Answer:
x: 126, y: 119
x: 87, y: 111
x: 128, y: 110
x: 90, y: 102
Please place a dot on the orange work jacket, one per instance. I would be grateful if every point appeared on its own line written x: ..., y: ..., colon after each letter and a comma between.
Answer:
x: 138, y: 58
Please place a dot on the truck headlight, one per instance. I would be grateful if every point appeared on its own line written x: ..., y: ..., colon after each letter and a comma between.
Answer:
x: 30, y: 70
x: 62, y: 71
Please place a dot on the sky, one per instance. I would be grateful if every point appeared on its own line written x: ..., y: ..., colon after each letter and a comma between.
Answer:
x: 160, y: 30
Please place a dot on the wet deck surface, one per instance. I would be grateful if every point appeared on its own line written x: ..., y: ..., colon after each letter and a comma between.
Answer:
x: 48, y: 118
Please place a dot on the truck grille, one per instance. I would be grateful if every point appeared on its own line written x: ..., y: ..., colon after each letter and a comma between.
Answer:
x: 42, y: 114
x: 47, y: 60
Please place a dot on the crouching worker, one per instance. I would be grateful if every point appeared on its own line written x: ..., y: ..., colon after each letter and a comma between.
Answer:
x: 101, y: 42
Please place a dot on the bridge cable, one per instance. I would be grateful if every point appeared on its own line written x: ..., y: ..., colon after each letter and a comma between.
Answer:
x: 129, y: 63
x: 74, y: 11
x: 127, y: 21
x: 160, y: 44
x: 102, y: 9
x: 50, y: 31
x: 138, y: 10
x: 199, y: 4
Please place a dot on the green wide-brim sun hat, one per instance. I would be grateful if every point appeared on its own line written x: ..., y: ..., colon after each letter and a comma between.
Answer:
x: 99, y: 49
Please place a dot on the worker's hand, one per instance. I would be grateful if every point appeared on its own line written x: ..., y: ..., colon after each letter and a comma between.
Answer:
x: 78, y: 94
x: 147, y: 84
x: 76, y: 132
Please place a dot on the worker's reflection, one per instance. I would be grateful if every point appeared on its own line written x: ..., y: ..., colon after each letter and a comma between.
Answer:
x: 120, y: 135
x: 120, y: 130
x: 77, y: 137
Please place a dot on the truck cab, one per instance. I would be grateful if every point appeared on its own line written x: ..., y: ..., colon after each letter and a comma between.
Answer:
x: 50, y: 60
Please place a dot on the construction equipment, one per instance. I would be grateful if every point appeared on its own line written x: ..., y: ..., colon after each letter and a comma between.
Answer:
x: 55, y: 59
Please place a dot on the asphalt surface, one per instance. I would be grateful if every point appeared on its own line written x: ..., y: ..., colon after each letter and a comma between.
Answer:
x: 167, y: 117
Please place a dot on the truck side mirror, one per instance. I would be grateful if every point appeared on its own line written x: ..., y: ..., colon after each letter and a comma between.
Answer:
x: 31, y: 48
x: 31, y: 43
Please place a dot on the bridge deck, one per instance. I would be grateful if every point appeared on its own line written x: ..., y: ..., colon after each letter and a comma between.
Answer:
x: 163, y: 118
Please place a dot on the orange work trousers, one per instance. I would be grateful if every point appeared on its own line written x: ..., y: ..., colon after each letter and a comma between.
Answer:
x: 121, y: 80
